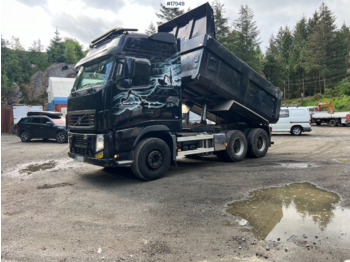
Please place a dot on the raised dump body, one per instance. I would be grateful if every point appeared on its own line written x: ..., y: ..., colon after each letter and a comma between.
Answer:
x: 213, y: 76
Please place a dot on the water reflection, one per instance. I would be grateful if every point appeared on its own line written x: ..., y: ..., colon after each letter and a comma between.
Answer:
x: 296, y: 209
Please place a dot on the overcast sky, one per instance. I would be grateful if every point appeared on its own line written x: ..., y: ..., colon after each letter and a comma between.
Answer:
x: 84, y: 20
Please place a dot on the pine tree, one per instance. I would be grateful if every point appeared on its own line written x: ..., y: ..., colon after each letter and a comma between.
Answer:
x: 297, y: 57
x: 272, y: 64
x: 167, y: 14
x: 243, y: 40
x: 221, y: 23
x: 151, y: 29
x: 55, y: 51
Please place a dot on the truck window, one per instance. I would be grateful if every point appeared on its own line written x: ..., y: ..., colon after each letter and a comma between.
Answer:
x: 93, y: 74
x: 284, y: 113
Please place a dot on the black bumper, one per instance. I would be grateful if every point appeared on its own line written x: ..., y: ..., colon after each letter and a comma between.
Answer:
x: 109, y: 162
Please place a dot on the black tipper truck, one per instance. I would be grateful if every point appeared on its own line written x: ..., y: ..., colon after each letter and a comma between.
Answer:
x: 131, y: 99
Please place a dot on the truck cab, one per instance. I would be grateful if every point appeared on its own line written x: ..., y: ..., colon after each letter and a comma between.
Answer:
x: 130, y: 82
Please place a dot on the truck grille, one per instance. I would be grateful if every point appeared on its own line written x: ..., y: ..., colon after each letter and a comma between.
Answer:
x: 81, y: 119
x: 82, y: 144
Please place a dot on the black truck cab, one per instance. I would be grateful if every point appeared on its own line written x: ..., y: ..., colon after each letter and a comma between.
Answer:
x: 127, y: 82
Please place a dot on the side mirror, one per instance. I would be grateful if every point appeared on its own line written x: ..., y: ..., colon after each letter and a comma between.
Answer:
x: 138, y: 70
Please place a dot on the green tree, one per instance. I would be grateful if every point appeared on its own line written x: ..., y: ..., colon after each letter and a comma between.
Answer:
x: 320, y: 47
x: 243, y: 40
x: 55, y: 51
x: 37, y: 57
x: 221, y: 23
x: 272, y: 65
x: 72, y: 51
x: 297, y: 56
x: 151, y: 29
x: 166, y: 14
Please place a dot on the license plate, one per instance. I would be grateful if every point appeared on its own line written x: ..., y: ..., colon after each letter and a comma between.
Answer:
x: 79, y: 158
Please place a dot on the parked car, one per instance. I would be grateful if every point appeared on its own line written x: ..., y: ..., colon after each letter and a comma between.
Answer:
x: 294, y: 120
x: 43, y: 125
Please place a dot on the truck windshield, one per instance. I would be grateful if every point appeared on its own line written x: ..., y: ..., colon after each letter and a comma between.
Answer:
x: 93, y: 74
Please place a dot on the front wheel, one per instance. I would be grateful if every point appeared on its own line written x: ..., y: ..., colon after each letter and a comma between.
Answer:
x: 296, y: 131
x: 152, y: 159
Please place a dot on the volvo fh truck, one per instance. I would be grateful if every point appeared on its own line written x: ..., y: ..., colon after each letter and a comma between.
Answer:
x: 133, y: 93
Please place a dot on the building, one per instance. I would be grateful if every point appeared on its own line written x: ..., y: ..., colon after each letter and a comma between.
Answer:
x: 58, y: 92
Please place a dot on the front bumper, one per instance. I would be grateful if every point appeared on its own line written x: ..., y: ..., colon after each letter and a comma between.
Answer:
x: 86, y: 148
x: 105, y: 162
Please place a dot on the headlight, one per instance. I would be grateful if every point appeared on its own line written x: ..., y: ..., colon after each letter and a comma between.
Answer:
x: 99, y: 142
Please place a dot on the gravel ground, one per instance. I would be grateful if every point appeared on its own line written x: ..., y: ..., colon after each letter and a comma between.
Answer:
x: 55, y: 209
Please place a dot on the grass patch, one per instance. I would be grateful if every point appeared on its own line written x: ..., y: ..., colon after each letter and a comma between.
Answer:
x: 339, y: 104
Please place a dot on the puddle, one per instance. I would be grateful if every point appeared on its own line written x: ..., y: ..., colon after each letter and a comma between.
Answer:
x: 293, y: 211
x: 38, y: 167
x: 297, y: 165
x: 48, y: 186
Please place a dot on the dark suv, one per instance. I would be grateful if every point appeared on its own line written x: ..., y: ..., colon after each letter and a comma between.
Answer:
x: 42, y: 125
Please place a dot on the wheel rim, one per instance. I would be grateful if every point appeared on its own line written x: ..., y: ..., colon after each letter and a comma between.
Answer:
x: 60, y: 137
x: 238, y: 147
x: 24, y: 135
x: 261, y: 143
x: 296, y: 131
x: 154, y: 159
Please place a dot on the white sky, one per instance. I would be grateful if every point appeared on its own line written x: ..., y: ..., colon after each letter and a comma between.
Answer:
x: 84, y: 20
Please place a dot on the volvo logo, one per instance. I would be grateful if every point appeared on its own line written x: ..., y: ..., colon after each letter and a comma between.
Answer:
x: 80, y: 118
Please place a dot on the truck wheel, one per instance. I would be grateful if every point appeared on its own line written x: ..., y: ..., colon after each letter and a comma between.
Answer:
x: 296, y: 131
x: 257, y: 142
x: 332, y: 122
x: 237, y: 146
x: 318, y: 123
x: 152, y: 159
x: 25, y: 136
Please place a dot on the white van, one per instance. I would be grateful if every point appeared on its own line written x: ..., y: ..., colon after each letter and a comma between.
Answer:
x: 294, y: 120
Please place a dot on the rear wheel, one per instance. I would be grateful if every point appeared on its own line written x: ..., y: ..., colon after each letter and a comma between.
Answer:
x: 152, y: 159
x: 257, y: 142
x: 332, y: 122
x: 237, y: 146
x: 296, y: 130
x: 25, y: 136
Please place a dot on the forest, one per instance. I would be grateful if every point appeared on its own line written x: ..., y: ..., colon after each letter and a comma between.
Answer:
x: 309, y: 62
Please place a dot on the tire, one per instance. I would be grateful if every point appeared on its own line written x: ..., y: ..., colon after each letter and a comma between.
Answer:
x: 332, y: 122
x: 257, y: 142
x: 61, y: 137
x: 25, y: 136
x: 237, y: 146
x: 318, y: 123
x: 152, y: 159
x: 296, y: 130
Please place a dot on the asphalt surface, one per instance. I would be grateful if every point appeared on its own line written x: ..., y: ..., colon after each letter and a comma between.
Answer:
x: 55, y: 209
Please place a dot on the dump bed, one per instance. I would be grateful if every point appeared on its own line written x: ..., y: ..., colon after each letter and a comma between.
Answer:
x: 212, y: 75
